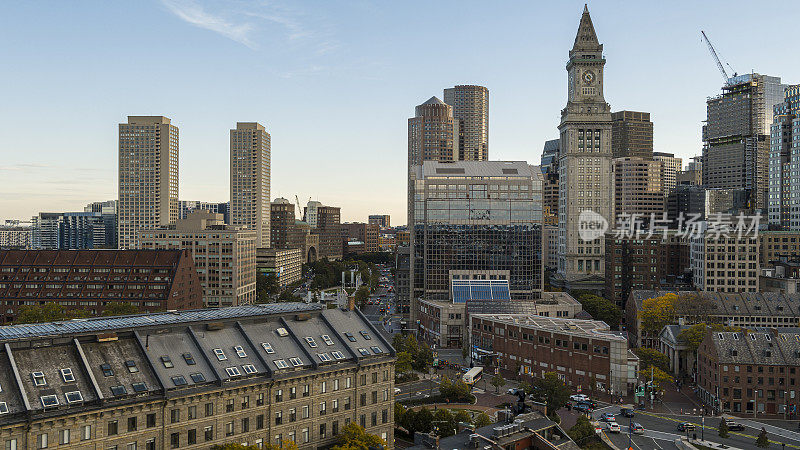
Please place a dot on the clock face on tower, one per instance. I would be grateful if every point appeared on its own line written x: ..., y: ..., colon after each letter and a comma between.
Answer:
x: 588, y: 77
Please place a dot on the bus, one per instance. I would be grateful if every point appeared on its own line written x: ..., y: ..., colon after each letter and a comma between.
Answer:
x: 473, y: 375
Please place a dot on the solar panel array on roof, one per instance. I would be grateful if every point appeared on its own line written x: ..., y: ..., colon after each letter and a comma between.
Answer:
x: 80, y: 326
x: 468, y: 290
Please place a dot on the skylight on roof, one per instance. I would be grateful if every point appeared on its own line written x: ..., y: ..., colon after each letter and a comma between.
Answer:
x: 233, y: 371
x: 337, y: 354
x: 38, y: 379
x: 139, y: 387
x: 350, y: 337
x: 282, y: 332
x: 3, y: 408
x: 280, y: 364
x: 198, y: 377
x: 363, y: 351
x: 296, y: 362
x: 73, y: 397
x: 311, y: 342
x: 324, y: 357
x: 67, y: 375
x: 49, y: 401
x: 249, y: 369
x: 268, y: 347
x: 365, y: 335
x: 116, y: 391
x: 376, y: 350
x: 240, y: 351
x: 189, y: 359
x: 327, y: 339
x: 106, y: 368
x: 179, y: 380
x: 131, y: 365
x: 167, y: 361
x: 220, y: 354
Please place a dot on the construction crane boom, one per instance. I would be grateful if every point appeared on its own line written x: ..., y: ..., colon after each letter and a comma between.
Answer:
x: 714, y: 55
x: 299, y: 209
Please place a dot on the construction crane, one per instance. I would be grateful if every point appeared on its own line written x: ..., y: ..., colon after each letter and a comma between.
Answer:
x: 716, y: 58
x: 299, y: 209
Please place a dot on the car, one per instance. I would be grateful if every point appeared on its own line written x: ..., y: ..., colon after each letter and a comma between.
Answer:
x: 734, y: 426
x: 590, y: 403
x: 637, y: 428
x: 612, y: 427
x: 608, y: 417
x: 685, y: 426
x: 626, y: 412
x: 582, y: 407
x: 579, y: 398
x: 396, y: 391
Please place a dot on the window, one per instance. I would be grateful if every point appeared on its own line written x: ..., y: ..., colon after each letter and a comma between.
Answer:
x: 279, y: 395
x: 268, y: 347
x: 296, y: 362
x: 278, y: 417
x: 167, y: 361
x: 197, y: 377
x: 280, y: 364
x: 191, y: 412
x: 292, y: 414
x: 220, y: 354
x: 150, y: 444
x: 150, y: 420
x: 306, y: 390
x: 73, y: 397
x: 42, y: 440
x: 3, y: 408
x: 337, y: 354
x: 38, y: 379
x: 67, y: 375
x: 292, y: 393
x: 245, y: 402
x: 179, y: 380
x: 191, y: 437
x: 305, y: 435
x: 175, y: 440
x: 260, y: 399
x: 323, y: 357
x: 132, y: 424
x: 208, y: 433
x: 249, y: 369
x: 350, y: 337
x: 229, y: 429
x: 364, y: 352
x: 323, y: 409
x: 49, y: 401
x: 174, y: 415
x: 245, y: 424
x: 240, y: 351
x: 305, y: 412
x: 259, y: 422
x: 86, y: 432
x: 311, y: 342
x: 229, y: 405
x: 323, y: 387
x: 282, y: 332
x: 63, y: 436
x: 189, y: 359
x: 376, y: 350
x: 11, y: 444
x: 209, y: 409
x: 113, y: 428
x: 365, y: 335
x: 232, y: 371
x: 327, y: 339
x: 139, y: 387
x: 106, y: 369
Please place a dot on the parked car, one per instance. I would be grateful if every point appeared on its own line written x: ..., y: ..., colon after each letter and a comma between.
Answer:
x: 590, y: 403
x: 734, y: 426
x: 582, y: 407
x: 626, y: 412
x: 579, y: 398
x: 612, y: 427
x: 684, y: 426
x: 637, y: 428
x: 608, y: 417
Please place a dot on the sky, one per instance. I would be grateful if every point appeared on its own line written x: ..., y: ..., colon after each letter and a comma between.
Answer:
x: 335, y: 82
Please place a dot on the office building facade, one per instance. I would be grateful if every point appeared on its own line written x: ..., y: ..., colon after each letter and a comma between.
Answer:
x: 286, y: 265
x: 250, y: 147
x: 638, y: 190
x: 784, y: 182
x: 670, y: 167
x: 358, y: 237
x: 381, y: 220
x: 631, y: 134
x: 471, y: 109
x: 148, y: 176
x: 550, y: 185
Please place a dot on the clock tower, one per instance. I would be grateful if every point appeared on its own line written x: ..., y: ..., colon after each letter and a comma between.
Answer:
x: 585, y: 178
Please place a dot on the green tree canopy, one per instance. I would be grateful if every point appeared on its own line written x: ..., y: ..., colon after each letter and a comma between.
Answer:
x: 582, y: 431
x: 762, y: 441
x: 462, y: 416
x: 482, y: 420
x: 354, y: 437
x: 657, y: 312
x: 551, y: 391
x: 600, y: 308
x: 362, y: 295
x: 444, y: 422
x: 723, y: 429
x: 498, y: 381
x: 49, y: 312
x: 651, y: 357
x: 404, y: 362
x: 120, y: 309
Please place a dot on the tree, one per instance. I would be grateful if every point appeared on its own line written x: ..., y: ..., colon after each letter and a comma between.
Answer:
x: 498, y: 381
x: 354, y: 437
x: 404, y: 363
x: 120, y: 309
x: 446, y: 387
x: 362, y: 295
x: 762, y: 441
x: 444, y: 422
x: 651, y: 357
x: 423, y: 358
x: 482, y: 420
x: 551, y: 391
x: 660, y: 378
x: 582, y: 430
x: 422, y: 422
x: 600, y: 308
x: 658, y: 312
x: 49, y: 312
x: 723, y: 429
x: 266, y: 287
x: 462, y: 416
x: 288, y: 296
x: 693, y: 335
x: 399, y: 413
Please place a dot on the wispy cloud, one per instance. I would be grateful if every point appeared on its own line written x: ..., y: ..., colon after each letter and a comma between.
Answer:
x: 192, y: 12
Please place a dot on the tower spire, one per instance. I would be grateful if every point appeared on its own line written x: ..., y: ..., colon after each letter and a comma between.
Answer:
x: 586, y: 39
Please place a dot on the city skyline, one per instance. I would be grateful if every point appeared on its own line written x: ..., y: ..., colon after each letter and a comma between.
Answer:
x: 315, y: 66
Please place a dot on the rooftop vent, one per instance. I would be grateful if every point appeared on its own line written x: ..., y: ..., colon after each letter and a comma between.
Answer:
x: 302, y: 317
x: 214, y: 326
x: 451, y: 170
x: 107, y: 337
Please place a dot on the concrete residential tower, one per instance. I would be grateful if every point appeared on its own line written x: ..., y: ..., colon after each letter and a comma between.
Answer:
x: 148, y: 176
x: 250, y: 174
x: 584, y: 163
x: 471, y: 110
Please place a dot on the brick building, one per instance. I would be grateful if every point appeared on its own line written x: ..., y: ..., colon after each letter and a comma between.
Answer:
x: 252, y: 375
x: 92, y: 280
x: 359, y: 237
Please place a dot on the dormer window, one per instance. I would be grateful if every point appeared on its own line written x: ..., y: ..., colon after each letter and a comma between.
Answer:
x: 189, y: 359
x: 131, y: 365
x: 220, y: 354
x: 67, y: 375
x: 49, y: 401
x: 327, y: 339
x: 139, y: 387
x: 365, y: 335
x: 268, y: 347
x: 363, y: 351
x: 280, y: 364
x: 106, y: 369
x: 179, y: 380
x: 337, y: 354
x: 296, y: 362
x: 240, y: 351
x: 38, y: 379
x: 311, y: 342
x: 233, y: 371
x: 167, y: 361
x: 3, y: 408
x: 323, y: 357
x: 73, y: 397
x: 350, y: 337
x: 249, y: 369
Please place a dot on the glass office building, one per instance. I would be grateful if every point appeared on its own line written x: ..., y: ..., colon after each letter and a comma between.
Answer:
x: 476, y: 220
